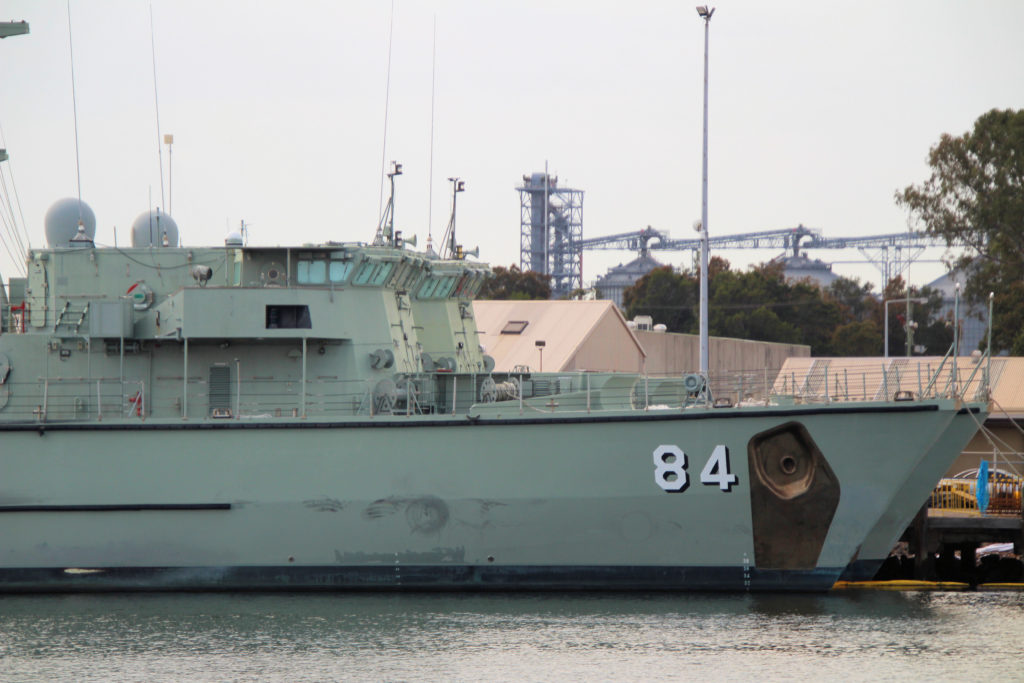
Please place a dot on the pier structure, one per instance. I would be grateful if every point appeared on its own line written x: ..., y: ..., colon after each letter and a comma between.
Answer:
x: 945, y: 545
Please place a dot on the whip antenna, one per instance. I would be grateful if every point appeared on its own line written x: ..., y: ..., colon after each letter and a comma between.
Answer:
x: 156, y: 104
x: 387, y: 101
x: 74, y: 110
x: 430, y: 190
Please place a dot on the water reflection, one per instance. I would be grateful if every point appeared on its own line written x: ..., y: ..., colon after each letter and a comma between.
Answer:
x: 535, y: 635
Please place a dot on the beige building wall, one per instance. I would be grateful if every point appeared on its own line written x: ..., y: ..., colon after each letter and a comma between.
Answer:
x: 1011, y: 446
x: 608, y: 346
x: 673, y: 353
x: 593, y: 335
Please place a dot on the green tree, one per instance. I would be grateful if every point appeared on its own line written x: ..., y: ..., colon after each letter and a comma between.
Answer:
x: 668, y: 297
x: 975, y: 198
x: 512, y: 283
x: 751, y: 305
x: 859, y: 332
x: 855, y: 300
x: 761, y: 304
x: 859, y: 338
x: 754, y: 304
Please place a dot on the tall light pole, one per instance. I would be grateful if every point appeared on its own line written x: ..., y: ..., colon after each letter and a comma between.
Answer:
x: 705, y: 14
x: 910, y: 335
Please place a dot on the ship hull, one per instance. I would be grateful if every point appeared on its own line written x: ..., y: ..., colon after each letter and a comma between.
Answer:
x: 416, y: 578
x: 913, y: 494
x: 549, y: 502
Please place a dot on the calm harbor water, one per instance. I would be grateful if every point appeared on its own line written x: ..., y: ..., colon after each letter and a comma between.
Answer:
x: 538, y: 637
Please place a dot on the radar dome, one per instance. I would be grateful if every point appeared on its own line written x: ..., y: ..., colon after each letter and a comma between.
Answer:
x: 149, y: 230
x: 61, y: 221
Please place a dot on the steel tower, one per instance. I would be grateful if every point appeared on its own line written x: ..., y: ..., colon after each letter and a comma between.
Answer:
x: 551, y: 239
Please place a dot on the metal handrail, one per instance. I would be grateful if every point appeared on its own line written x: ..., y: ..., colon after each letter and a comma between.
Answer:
x: 577, y: 391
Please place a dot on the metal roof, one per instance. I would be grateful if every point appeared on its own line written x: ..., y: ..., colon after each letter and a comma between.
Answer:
x: 564, y: 326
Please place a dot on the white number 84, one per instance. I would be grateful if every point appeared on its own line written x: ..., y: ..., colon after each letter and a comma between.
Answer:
x: 670, y: 469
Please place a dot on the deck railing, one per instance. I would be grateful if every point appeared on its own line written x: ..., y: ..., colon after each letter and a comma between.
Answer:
x: 814, y: 381
x: 62, y: 398
x: 870, y: 379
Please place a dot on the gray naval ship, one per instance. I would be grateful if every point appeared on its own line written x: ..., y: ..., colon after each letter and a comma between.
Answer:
x: 324, y: 417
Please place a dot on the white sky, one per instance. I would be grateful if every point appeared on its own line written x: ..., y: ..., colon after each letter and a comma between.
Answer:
x: 819, y: 112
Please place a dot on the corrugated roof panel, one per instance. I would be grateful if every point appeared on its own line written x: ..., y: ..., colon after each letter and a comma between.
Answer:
x: 859, y: 379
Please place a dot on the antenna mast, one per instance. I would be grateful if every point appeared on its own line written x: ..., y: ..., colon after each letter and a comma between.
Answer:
x: 386, y: 227
x: 449, y: 248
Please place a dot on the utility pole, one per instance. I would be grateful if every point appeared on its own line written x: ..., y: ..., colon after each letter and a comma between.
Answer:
x: 705, y: 14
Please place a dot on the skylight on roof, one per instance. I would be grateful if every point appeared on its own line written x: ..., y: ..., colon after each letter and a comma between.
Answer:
x: 515, y: 326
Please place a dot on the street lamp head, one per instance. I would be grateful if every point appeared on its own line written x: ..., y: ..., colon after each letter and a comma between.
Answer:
x: 704, y: 12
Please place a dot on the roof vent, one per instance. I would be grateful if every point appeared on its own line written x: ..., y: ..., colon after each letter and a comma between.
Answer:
x: 643, y: 322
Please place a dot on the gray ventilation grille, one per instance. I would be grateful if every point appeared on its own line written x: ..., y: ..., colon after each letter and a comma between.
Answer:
x: 220, y: 390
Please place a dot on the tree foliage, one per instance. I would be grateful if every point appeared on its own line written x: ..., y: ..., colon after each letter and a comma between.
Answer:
x: 858, y: 338
x: 975, y: 198
x: 844, y: 319
x: 512, y: 283
x: 668, y: 297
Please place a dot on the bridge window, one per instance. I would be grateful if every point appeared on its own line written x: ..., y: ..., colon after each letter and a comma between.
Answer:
x: 312, y: 272
x: 340, y: 271
x: 380, y: 275
x: 445, y: 289
x: 474, y: 288
x: 428, y: 287
x: 374, y: 273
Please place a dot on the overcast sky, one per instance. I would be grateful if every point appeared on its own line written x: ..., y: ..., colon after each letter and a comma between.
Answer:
x: 819, y: 112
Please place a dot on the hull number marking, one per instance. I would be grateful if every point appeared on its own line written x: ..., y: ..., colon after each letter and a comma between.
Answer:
x: 670, y: 469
